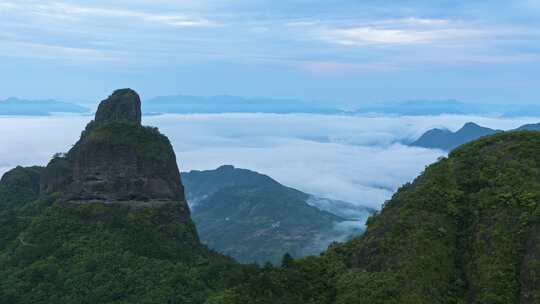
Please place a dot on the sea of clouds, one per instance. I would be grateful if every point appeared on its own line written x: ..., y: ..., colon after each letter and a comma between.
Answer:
x: 360, y: 159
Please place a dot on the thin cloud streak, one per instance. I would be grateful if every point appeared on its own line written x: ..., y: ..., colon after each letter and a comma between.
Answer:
x: 66, y: 11
x: 362, y: 36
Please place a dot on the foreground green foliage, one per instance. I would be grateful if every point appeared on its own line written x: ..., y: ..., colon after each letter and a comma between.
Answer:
x: 110, y: 254
x: 466, y: 231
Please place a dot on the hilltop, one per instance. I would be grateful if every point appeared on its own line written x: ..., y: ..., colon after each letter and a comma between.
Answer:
x: 447, y: 140
x: 465, y: 231
x: 253, y: 218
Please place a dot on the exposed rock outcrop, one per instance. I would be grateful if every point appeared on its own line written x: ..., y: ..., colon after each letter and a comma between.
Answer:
x: 57, y: 175
x: 117, y: 160
x: 122, y: 106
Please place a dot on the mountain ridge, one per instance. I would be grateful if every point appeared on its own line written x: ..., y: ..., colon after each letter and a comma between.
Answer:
x: 16, y: 106
x: 188, y: 104
x: 254, y: 218
x: 464, y: 231
x: 447, y: 140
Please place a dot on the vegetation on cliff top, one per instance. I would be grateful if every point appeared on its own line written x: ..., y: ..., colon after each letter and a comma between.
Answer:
x: 148, y: 142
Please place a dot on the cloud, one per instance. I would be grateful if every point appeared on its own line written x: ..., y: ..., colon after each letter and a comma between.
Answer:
x: 29, y: 141
x: 406, y: 31
x: 352, y: 158
x: 359, y: 36
x: 65, y: 11
x: 332, y: 67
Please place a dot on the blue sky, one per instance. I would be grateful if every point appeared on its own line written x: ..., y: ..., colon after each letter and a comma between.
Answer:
x: 349, y: 52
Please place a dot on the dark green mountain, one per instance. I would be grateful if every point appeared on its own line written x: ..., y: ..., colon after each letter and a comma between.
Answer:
x: 201, y: 184
x: 466, y: 231
x: 447, y: 140
x: 253, y: 218
x: 15, y: 106
x: 105, y: 223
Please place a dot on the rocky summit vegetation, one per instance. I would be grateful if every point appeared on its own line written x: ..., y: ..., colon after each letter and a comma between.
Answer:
x: 465, y: 231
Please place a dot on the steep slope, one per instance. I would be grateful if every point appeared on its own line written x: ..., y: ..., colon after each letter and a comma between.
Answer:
x: 465, y: 231
x: 253, y: 218
x: 257, y: 224
x: 110, y: 223
x: 117, y: 160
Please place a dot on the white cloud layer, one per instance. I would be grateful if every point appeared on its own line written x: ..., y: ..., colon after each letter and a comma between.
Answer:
x: 352, y: 158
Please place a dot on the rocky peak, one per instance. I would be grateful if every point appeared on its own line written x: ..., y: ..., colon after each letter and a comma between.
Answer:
x: 117, y: 160
x: 123, y: 105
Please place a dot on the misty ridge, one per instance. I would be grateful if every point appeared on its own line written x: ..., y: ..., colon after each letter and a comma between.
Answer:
x: 190, y: 104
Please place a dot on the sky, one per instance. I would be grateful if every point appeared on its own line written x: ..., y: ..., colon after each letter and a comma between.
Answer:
x: 339, y: 51
x: 360, y: 159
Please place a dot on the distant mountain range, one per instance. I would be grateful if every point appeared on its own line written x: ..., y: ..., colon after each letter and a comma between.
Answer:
x: 253, y: 218
x: 185, y: 104
x: 189, y: 104
x: 451, y: 106
x: 15, y: 106
x: 420, y: 107
x: 447, y: 140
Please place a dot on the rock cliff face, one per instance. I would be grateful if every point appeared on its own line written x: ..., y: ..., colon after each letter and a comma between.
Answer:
x: 123, y: 105
x: 117, y: 160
